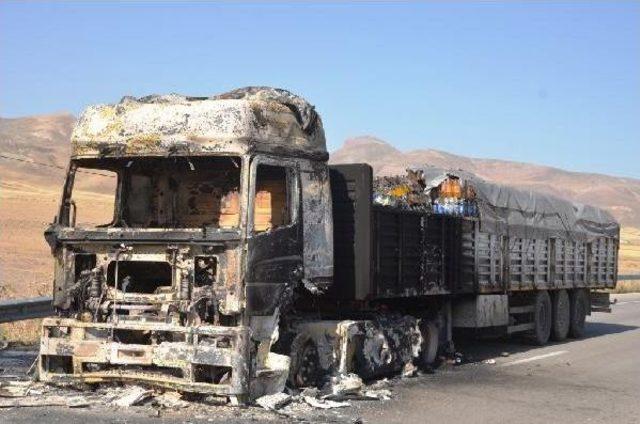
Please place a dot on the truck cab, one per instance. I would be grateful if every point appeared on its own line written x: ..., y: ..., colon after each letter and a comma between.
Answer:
x: 221, y: 212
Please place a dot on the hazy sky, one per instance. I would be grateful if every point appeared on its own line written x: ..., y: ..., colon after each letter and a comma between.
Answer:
x: 546, y: 82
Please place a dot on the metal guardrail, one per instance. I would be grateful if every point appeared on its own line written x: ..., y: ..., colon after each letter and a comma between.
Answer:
x: 40, y: 307
x: 19, y: 309
x: 626, y: 277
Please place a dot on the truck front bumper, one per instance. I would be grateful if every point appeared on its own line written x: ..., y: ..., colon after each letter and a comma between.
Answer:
x: 204, y: 359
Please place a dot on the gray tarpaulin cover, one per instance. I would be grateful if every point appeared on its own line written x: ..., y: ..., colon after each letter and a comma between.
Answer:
x: 527, y: 213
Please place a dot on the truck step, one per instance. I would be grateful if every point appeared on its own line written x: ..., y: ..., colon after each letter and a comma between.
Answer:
x: 520, y: 328
x: 527, y: 309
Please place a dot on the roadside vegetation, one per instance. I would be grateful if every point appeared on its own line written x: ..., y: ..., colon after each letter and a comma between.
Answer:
x: 627, y: 287
x: 629, y: 259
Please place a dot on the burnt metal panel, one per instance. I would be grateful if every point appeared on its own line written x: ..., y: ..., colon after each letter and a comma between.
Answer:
x: 317, y: 218
x: 414, y: 253
x: 465, y: 268
x: 272, y: 267
x: 556, y: 263
x: 351, y: 187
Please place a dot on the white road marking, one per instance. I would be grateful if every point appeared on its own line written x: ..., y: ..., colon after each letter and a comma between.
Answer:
x: 628, y: 301
x: 535, y: 358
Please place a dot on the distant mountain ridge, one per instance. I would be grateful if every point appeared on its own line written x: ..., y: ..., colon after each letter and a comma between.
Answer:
x: 45, y: 139
x: 620, y: 196
x: 42, y: 138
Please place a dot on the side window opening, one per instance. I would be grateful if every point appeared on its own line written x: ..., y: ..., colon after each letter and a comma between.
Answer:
x: 94, y: 197
x: 273, y: 198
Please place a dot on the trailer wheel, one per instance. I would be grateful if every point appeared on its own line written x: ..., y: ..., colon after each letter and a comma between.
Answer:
x: 561, y: 315
x: 429, y: 348
x: 542, y: 318
x: 579, y: 306
x: 304, y: 370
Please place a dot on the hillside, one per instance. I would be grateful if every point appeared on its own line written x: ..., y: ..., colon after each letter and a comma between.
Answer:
x: 43, y: 139
x: 620, y: 196
x: 29, y: 195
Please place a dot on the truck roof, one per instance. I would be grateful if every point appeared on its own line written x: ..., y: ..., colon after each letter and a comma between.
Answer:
x: 250, y: 119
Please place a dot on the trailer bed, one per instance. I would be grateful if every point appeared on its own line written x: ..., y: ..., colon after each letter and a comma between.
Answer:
x: 384, y: 252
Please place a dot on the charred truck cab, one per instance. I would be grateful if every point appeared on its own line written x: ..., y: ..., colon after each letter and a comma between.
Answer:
x: 234, y: 260
x: 222, y: 212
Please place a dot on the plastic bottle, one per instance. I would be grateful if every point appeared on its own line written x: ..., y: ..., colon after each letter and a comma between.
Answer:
x: 444, y: 189
x: 456, y: 190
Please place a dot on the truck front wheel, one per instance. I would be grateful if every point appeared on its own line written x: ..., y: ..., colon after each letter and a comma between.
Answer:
x: 542, y: 317
x: 579, y: 305
x: 561, y: 315
x: 304, y: 370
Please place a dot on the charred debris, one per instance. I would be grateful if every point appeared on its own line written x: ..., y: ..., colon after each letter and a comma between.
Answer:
x: 444, y: 194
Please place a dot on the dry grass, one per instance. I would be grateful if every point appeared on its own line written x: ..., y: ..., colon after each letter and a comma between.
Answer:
x: 22, y: 332
x: 629, y: 260
x: 632, y: 286
x: 26, y: 266
x: 629, y: 251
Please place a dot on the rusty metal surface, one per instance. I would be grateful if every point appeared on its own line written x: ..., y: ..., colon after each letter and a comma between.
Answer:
x: 368, y: 348
x: 73, y: 351
x: 254, y: 119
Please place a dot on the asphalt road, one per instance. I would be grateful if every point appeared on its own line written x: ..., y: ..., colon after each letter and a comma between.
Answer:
x: 593, y: 380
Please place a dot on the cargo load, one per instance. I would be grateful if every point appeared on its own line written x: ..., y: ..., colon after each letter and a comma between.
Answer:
x: 461, y: 193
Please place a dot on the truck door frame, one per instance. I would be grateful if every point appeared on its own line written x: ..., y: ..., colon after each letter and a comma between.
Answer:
x: 275, y: 254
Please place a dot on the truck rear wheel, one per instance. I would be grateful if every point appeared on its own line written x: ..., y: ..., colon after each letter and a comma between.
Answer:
x: 429, y: 348
x: 579, y: 306
x: 561, y: 315
x: 542, y: 317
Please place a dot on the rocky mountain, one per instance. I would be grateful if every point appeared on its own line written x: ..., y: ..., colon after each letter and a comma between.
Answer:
x: 620, y: 196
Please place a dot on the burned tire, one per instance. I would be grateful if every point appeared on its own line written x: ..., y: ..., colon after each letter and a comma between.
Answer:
x: 304, y: 370
x: 579, y: 308
x: 430, y: 340
x: 542, y: 318
x: 561, y: 315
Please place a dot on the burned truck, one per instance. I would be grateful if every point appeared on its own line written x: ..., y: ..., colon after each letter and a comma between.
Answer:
x: 236, y: 260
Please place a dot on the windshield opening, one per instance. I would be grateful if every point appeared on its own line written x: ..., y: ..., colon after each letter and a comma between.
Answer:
x: 94, y: 197
x: 174, y: 193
